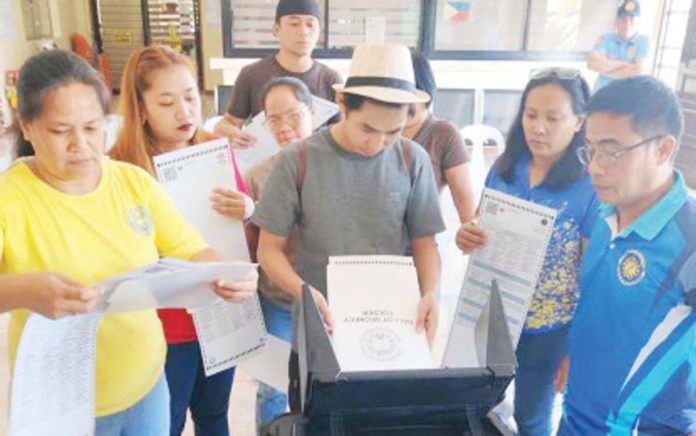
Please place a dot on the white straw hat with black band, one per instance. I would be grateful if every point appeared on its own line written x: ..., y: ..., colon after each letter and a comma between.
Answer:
x: 383, y: 72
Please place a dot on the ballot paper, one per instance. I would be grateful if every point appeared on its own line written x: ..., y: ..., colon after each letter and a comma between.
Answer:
x: 373, y: 302
x: 518, y: 234
x: 266, y: 145
x: 229, y: 333
x: 53, y: 382
x: 189, y: 175
x: 168, y: 283
x: 270, y: 366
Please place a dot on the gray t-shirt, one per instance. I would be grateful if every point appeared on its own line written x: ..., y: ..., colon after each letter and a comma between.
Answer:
x: 251, y: 82
x: 350, y: 204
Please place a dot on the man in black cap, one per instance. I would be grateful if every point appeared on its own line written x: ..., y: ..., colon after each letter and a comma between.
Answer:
x: 620, y: 54
x: 297, y: 29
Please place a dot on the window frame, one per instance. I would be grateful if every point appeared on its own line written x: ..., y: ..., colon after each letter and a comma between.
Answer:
x: 426, y: 42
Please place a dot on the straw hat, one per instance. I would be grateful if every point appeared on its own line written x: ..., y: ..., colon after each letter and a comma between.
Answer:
x: 383, y: 72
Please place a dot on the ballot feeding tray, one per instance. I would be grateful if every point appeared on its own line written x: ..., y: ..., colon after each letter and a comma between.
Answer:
x: 445, y: 401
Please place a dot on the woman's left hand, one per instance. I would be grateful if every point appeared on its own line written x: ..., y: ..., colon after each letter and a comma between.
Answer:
x: 238, y: 290
x: 229, y: 203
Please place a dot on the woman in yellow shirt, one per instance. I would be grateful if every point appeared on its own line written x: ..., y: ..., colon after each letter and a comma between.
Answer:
x: 70, y: 218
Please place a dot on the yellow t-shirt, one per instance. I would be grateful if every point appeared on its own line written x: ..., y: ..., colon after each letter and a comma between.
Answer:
x: 127, y: 222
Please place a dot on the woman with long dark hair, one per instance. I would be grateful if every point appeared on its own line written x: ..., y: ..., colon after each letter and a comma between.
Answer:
x: 540, y: 165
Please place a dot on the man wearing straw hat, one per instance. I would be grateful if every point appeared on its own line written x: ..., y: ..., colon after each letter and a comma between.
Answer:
x: 357, y: 187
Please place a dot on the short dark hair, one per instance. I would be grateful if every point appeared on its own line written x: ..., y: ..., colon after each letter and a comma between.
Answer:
x: 45, y: 72
x: 297, y: 86
x: 354, y: 102
x: 568, y: 169
x: 425, y: 79
x: 652, y: 106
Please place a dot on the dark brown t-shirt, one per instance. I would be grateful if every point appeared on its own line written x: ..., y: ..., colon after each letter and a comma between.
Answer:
x: 248, y: 89
x: 444, y: 145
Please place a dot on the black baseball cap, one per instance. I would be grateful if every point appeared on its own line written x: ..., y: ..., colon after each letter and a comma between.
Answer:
x: 297, y: 7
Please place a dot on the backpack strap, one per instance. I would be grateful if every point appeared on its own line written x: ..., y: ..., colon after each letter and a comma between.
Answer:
x: 301, y: 167
x: 406, y: 153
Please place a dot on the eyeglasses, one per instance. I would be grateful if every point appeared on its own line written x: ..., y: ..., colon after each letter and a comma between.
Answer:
x: 292, y: 118
x: 606, y: 158
x: 561, y: 73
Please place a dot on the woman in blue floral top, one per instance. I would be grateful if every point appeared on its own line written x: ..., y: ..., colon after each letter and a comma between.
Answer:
x: 540, y: 165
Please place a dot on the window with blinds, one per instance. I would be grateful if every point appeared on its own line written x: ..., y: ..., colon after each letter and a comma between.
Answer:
x: 512, y: 27
x: 352, y: 22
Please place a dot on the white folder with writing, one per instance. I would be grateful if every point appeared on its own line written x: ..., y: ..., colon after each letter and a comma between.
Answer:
x: 374, y: 302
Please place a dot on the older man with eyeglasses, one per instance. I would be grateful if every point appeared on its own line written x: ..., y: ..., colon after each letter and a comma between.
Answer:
x: 632, y: 351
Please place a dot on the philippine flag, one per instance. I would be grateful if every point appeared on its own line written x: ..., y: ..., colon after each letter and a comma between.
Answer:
x: 458, y: 10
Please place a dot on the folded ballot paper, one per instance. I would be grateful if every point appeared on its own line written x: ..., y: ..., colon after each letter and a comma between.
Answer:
x: 168, y: 283
x: 373, y: 301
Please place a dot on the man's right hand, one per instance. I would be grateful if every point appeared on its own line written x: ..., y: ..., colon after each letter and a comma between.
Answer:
x: 323, y: 307
x: 55, y: 296
x: 238, y: 138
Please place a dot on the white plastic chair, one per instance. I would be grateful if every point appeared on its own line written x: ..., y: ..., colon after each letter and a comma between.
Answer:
x: 113, y: 125
x: 210, y: 123
x: 480, y: 135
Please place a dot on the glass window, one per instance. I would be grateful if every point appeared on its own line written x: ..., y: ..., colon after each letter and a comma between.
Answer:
x: 454, y: 105
x: 480, y: 25
x: 252, y: 23
x: 352, y: 22
x: 568, y: 25
x: 500, y: 108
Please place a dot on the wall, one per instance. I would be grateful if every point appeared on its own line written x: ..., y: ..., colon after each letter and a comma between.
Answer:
x: 69, y: 16
x: 211, y: 36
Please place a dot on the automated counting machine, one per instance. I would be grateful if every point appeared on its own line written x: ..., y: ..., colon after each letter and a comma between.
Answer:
x: 446, y: 401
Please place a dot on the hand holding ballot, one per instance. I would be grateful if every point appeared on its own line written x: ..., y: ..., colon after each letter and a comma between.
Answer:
x: 229, y: 203
x: 236, y: 291
x: 55, y: 295
x: 470, y: 236
x: 238, y: 139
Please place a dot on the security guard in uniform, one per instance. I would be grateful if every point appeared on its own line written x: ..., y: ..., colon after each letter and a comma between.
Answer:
x: 621, y: 53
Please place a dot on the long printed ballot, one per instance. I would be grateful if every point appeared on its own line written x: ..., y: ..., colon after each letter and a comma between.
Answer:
x: 374, y: 302
x: 189, y: 175
x: 52, y: 389
x: 229, y: 333
x: 518, y: 234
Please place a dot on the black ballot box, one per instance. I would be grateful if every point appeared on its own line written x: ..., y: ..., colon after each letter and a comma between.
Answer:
x: 445, y: 401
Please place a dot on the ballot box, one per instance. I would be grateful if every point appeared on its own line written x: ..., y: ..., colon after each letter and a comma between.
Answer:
x: 442, y: 401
